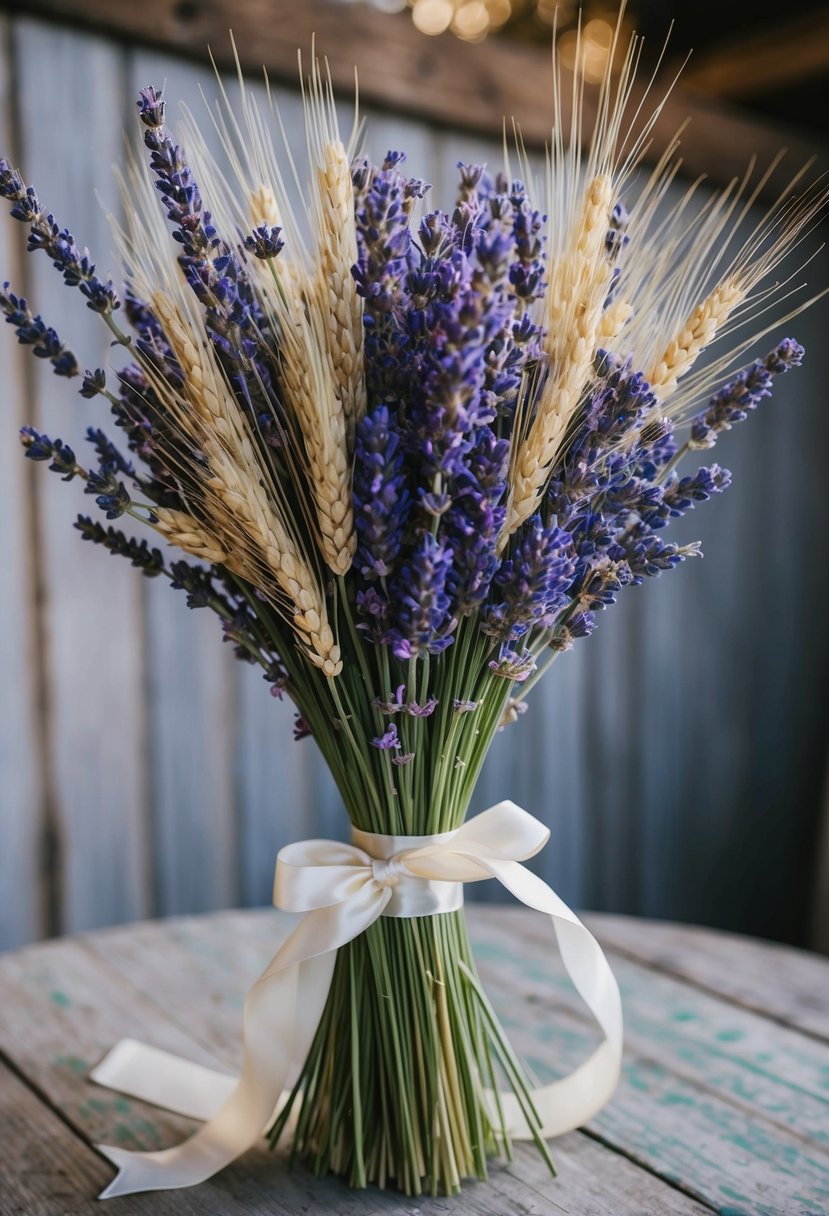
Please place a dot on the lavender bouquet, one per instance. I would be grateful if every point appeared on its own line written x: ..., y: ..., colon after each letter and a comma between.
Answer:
x: 413, y: 453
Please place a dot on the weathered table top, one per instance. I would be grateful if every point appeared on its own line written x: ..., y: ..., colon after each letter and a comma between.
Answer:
x: 724, y: 1104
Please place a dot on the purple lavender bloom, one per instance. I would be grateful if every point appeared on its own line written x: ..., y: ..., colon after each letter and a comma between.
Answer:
x: 383, y: 199
x: 513, y: 665
x: 533, y: 583
x: 59, y: 244
x: 394, y: 704
x: 422, y: 711
x: 422, y: 622
x: 617, y: 235
x: 265, y: 242
x: 93, y: 384
x: 381, y: 501
x: 110, y: 494
x: 649, y: 556
x: 464, y: 706
x: 679, y: 494
x: 40, y: 447
x: 148, y: 561
x: 33, y: 331
x: 388, y: 741
x: 108, y: 453
x: 743, y: 394
x: 209, y: 266
x: 473, y: 523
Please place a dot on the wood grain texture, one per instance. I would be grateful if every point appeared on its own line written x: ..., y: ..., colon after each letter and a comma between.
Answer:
x: 180, y: 984
x: 736, y: 1080
x: 472, y: 87
x: 95, y: 712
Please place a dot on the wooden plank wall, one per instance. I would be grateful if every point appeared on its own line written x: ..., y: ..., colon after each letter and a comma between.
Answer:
x: 678, y: 757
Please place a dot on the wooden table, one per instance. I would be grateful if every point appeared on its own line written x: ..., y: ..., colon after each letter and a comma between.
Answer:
x: 724, y: 1104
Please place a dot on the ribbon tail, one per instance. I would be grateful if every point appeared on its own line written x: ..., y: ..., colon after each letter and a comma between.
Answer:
x: 274, y: 1038
x: 570, y: 1102
x: 281, y: 1015
x: 164, y: 1080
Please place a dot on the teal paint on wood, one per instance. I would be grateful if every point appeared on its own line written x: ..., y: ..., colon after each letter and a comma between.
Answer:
x: 673, y: 1141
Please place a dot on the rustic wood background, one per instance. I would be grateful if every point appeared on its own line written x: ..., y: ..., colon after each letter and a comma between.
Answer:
x: 678, y: 757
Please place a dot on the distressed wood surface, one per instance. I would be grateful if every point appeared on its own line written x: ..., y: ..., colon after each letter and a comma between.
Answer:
x: 722, y: 1108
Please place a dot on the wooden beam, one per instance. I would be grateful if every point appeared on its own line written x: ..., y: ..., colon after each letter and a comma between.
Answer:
x: 764, y: 60
x: 466, y: 86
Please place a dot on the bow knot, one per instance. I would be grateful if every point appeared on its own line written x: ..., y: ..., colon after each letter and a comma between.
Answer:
x: 386, y: 871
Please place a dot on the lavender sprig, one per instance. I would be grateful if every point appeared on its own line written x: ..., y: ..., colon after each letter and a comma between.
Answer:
x: 744, y: 393
x: 149, y: 561
x: 33, y: 331
x: 59, y: 244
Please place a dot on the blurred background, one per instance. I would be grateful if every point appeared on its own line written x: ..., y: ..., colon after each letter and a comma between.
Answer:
x: 679, y: 757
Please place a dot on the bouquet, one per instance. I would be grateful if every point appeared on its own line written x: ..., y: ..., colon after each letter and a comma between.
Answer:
x: 409, y: 454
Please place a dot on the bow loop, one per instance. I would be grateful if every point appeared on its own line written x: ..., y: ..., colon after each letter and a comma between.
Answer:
x: 319, y: 874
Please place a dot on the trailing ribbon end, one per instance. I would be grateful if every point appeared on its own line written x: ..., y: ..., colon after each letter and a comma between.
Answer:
x: 120, y: 1184
x: 342, y: 890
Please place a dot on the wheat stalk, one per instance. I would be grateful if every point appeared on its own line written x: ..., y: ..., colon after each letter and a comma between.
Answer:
x: 612, y: 322
x: 699, y: 330
x: 576, y: 291
x: 340, y: 305
x: 187, y: 533
x: 235, y: 496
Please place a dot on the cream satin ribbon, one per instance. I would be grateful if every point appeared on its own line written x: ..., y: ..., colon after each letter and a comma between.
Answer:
x: 342, y: 889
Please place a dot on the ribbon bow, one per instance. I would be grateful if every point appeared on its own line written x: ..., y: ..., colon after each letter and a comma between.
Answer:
x: 342, y: 889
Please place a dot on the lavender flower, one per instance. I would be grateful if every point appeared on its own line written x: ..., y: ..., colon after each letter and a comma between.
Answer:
x: 743, y: 394
x: 110, y: 494
x: 388, y: 741
x: 381, y: 500
x: 108, y: 453
x: 32, y: 331
x: 533, y: 583
x: 58, y: 243
x: 394, y: 704
x: 265, y: 242
x: 40, y: 447
x: 196, y: 582
x: 148, y: 561
x: 93, y: 384
x: 210, y: 267
x: 422, y: 620
x: 513, y: 665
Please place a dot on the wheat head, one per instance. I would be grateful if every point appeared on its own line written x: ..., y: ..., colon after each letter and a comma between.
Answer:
x: 576, y: 292
x: 235, y: 498
x: 700, y: 329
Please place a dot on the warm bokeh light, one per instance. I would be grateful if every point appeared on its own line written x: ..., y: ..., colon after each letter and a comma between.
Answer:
x: 500, y: 12
x: 433, y: 16
x: 471, y: 20
x: 558, y: 11
x: 589, y: 53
